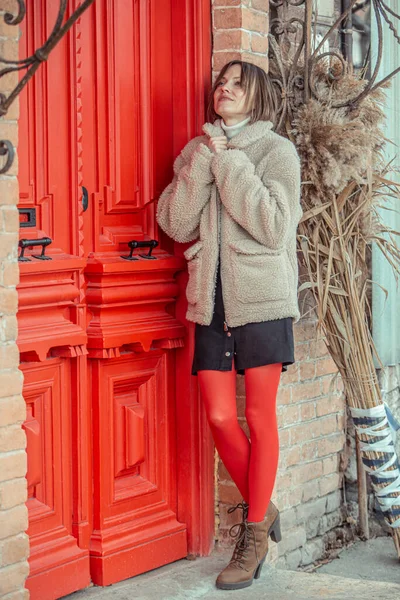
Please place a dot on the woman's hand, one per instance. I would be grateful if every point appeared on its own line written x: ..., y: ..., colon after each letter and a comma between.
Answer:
x: 217, y: 144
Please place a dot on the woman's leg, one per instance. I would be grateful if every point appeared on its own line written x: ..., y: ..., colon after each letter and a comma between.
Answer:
x: 261, y: 389
x: 218, y: 392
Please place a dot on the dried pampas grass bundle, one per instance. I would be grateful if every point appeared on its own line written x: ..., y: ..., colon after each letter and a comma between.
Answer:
x: 345, y: 180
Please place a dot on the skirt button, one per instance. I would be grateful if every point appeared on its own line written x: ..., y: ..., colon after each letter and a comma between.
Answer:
x: 227, y: 353
x: 229, y: 334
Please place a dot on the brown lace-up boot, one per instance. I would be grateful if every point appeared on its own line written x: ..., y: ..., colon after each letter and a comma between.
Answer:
x: 250, y: 551
x: 271, y: 513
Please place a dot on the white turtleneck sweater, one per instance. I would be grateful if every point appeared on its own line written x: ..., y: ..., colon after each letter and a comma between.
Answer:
x: 233, y: 130
x: 230, y: 131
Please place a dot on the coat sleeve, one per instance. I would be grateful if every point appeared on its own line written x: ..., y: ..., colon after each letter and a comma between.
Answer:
x: 266, y: 206
x: 181, y: 203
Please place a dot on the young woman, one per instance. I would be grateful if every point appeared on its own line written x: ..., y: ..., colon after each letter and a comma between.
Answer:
x: 236, y: 191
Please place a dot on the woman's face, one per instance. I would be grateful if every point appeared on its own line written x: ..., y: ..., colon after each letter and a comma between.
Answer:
x: 230, y: 97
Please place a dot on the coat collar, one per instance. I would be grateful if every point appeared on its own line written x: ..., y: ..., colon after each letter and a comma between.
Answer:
x: 249, y: 134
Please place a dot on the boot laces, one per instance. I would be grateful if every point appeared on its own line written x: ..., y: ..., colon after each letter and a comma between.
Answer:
x: 245, y: 534
x: 242, y: 506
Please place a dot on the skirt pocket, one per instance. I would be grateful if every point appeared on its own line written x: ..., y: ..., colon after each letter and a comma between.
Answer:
x: 259, y: 274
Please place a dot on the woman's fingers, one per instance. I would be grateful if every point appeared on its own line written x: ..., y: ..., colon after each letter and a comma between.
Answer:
x: 214, y: 143
x: 218, y: 143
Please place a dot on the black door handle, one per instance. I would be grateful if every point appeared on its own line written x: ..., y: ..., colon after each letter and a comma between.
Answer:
x: 151, y: 244
x: 25, y: 243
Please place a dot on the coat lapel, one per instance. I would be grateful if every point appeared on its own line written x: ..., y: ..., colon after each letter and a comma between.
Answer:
x: 213, y: 129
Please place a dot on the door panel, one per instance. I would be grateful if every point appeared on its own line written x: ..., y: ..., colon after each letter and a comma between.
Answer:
x: 49, y: 446
x: 117, y: 119
x: 51, y: 323
x: 45, y: 177
x: 135, y: 524
x: 130, y: 331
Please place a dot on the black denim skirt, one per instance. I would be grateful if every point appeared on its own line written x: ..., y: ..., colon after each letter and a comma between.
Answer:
x: 251, y: 345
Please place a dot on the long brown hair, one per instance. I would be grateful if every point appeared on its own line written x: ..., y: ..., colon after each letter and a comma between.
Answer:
x: 261, y: 101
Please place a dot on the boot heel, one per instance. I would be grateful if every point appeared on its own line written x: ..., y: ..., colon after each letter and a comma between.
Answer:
x: 257, y: 572
x: 275, y: 531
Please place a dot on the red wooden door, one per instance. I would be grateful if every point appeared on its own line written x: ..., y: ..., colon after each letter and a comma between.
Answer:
x: 110, y: 494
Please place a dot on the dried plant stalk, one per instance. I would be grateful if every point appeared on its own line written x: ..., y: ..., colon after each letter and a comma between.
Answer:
x: 344, y: 181
x: 338, y: 278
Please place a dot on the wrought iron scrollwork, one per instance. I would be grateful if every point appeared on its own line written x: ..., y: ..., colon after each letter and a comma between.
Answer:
x: 11, y: 19
x: 7, y: 150
x: 32, y: 63
x: 295, y: 79
x: 278, y: 3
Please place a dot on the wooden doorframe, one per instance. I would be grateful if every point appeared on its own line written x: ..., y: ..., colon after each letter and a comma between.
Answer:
x: 194, y: 444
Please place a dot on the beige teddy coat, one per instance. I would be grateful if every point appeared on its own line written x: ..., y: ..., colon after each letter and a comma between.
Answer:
x: 242, y: 205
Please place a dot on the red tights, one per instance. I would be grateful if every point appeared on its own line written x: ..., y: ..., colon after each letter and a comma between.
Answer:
x: 252, y: 465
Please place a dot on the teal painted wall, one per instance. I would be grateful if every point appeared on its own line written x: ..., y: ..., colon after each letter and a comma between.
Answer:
x: 386, y: 312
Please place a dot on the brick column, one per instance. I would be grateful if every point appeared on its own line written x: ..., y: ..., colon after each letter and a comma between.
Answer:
x: 240, y: 30
x: 14, y: 543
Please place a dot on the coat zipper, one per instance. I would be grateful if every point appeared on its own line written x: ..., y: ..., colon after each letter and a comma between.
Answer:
x: 219, y: 241
x: 219, y: 212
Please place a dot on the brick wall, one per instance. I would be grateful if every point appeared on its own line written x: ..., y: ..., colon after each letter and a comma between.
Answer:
x: 310, y: 404
x: 14, y: 544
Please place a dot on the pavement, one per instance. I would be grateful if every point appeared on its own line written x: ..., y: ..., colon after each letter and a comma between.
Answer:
x: 374, y: 560
x: 363, y: 571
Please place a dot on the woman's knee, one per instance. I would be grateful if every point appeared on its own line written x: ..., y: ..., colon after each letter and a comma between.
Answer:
x: 222, y: 419
x: 262, y: 423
